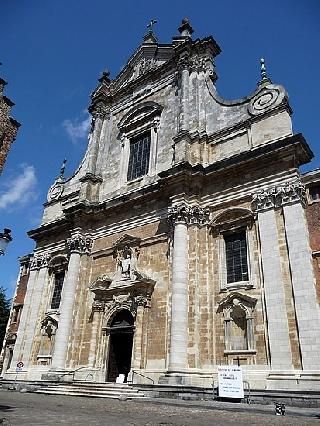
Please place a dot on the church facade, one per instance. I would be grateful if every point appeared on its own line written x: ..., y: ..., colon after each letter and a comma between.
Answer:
x: 181, y: 242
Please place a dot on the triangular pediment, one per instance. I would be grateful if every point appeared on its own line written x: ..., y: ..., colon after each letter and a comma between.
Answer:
x: 101, y: 284
x: 236, y: 298
x: 104, y: 287
x: 147, y: 58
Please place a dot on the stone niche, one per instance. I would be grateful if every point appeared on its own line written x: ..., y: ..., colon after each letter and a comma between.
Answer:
x: 129, y: 287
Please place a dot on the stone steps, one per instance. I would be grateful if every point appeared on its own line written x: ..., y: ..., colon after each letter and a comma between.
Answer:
x: 96, y: 390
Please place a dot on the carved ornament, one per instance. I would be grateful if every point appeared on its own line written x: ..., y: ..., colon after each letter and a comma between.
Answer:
x: 49, y: 326
x: 55, y: 191
x: 40, y: 261
x: 278, y: 196
x: 267, y: 98
x: 79, y: 243
x: 190, y: 215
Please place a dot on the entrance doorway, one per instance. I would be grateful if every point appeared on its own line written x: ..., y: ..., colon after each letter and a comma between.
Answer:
x: 120, y: 345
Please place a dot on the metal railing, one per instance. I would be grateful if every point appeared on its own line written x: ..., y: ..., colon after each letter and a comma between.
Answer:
x: 142, y: 375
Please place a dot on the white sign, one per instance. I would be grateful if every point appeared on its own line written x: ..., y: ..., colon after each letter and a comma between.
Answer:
x: 230, y: 381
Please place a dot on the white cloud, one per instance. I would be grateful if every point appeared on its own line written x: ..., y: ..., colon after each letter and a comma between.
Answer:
x: 77, y: 129
x: 20, y: 190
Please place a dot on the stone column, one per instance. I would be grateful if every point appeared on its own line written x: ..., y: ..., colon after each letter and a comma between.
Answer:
x: 30, y: 310
x: 181, y: 216
x: 278, y: 329
x: 78, y: 245
x: 178, y: 355
x: 97, y: 312
x: 303, y: 281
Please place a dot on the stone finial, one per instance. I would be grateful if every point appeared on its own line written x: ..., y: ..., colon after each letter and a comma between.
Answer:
x: 185, y: 28
x: 62, y: 169
x: 263, y: 71
x: 105, y: 77
x: 150, y: 36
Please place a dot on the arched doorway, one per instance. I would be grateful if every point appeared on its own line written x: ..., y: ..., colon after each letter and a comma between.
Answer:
x: 120, y: 345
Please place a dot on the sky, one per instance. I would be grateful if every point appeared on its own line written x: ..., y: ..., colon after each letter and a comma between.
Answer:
x: 53, y: 52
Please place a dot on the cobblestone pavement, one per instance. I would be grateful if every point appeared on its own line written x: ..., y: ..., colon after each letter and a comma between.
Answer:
x: 35, y: 409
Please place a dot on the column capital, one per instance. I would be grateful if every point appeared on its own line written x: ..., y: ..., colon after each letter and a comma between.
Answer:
x: 184, y: 62
x: 143, y: 301
x: 100, y: 111
x: 278, y: 196
x: 189, y: 215
x: 79, y: 243
x: 98, y: 306
x: 40, y: 260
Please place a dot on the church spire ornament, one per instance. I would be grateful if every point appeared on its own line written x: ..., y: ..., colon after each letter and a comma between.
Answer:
x: 185, y: 28
x: 150, y: 36
x: 62, y: 169
x: 264, y: 76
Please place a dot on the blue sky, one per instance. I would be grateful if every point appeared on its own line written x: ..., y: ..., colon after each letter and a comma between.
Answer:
x: 54, y: 51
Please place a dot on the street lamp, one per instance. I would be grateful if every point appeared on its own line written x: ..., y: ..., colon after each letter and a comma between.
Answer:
x: 5, y: 239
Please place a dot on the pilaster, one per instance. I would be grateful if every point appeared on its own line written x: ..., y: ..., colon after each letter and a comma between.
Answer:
x: 278, y: 329
x: 139, y: 335
x: 303, y: 281
x: 97, y: 314
x: 290, y: 197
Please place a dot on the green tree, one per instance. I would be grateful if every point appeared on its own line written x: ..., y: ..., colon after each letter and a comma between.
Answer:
x: 4, y: 314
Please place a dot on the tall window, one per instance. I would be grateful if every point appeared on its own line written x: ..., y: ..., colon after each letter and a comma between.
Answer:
x: 58, y: 284
x: 139, y: 156
x: 236, y: 257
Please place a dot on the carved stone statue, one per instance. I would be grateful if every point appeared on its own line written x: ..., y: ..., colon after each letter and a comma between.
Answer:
x: 125, y: 262
x: 125, y: 266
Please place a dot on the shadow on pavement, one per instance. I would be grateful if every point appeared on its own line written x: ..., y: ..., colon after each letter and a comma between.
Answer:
x: 6, y: 408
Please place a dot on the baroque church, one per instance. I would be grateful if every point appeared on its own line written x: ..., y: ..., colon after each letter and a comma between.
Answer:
x: 180, y: 243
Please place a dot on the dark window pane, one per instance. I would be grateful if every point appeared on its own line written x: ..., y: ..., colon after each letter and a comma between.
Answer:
x: 314, y: 193
x: 139, y: 156
x: 236, y: 257
x: 58, y: 284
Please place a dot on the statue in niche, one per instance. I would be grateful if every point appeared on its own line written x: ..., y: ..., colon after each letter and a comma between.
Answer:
x: 125, y: 262
x: 48, y: 331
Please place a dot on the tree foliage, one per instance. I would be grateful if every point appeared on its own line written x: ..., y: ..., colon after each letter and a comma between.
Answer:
x: 4, y: 314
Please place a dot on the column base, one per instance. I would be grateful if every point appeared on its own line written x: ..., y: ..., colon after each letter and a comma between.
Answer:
x: 58, y: 375
x: 294, y: 380
x: 175, y: 378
